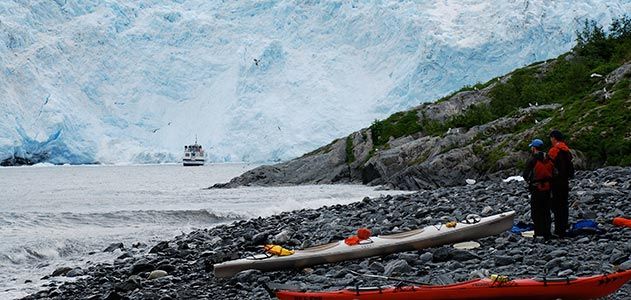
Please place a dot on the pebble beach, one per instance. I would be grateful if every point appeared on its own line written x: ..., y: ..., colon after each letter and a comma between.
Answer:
x: 182, y: 268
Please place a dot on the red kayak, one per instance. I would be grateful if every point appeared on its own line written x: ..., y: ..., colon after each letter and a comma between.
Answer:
x: 582, y: 288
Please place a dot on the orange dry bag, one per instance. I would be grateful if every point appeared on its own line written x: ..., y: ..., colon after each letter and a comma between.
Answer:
x: 622, y: 222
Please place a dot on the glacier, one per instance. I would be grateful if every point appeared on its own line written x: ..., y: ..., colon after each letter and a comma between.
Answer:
x: 117, y: 82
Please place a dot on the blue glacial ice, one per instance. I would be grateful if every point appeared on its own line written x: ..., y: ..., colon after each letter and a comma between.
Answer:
x: 86, y: 81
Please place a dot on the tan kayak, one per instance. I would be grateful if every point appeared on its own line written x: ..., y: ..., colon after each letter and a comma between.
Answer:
x: 473, y: 227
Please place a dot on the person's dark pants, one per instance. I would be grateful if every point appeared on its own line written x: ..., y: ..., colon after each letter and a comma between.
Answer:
x: 540, y: 212
x: 560, y: 207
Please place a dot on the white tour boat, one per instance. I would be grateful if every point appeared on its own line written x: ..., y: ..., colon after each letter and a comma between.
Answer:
x: 193, y: 155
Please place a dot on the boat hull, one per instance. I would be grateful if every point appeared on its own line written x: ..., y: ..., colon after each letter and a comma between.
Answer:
x: 583, y: 288
x: 188, y: 163
x: 430, y: 236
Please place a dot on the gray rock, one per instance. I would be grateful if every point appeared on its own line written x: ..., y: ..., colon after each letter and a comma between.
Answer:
x: 555, y: 262
x: 166, y: 267
x: 442, y: 254
x: 61, y: 271
x: 443, y: 279
x: 114, y: 246
x: 167, y: 280
x: 397, y: 267
x: 557, y: 253
x: 364, y: 264
x: 282, y: 237
x: 503, y: 260
x: 141, y: 267
x: 618, y: 258
x: 566, y: 272
x: 157, y: 274
x: 475, y: 274
x: 160, y: 247
x: 215, y: 241
x: 112, y: 295
x: 326, y: 165
x: 487, y: 210
x: 317, y: 279
x: 583, y: 240
x: 426, y: 257
x: 138, y: 245
x: 124, y: 255
x: 625, y: 265
x: 260, y: 238
x: 337, y: 273
x: 132, y: 283
x: 462, y: 255
x: 376, y: 267
x: 410, y: 258
x: 75, y: 272
x: 247, y: 275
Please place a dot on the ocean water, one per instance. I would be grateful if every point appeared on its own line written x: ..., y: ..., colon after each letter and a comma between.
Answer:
x: 54, y: 216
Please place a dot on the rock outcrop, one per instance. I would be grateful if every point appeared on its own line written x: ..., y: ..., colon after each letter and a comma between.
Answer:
x: 370, y: 165
x: 428, y: 158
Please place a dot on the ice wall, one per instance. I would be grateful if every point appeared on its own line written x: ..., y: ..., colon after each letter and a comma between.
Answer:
x: 85, y: 81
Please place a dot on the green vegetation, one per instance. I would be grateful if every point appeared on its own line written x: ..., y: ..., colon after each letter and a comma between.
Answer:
x: 599, y: 124
x: 397, y: 125
x: 475, y: 115
x: 350, y: 156
x: 475, y: 87
x: 565, y: 80
x: 489, y: 155
x: 595, y: 114
x: 598, y: 127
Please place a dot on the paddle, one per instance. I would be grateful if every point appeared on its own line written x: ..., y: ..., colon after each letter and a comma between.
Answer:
x: 388, y: 278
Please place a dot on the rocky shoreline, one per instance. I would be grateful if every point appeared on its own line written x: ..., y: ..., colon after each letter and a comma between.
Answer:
x: 182, y: 267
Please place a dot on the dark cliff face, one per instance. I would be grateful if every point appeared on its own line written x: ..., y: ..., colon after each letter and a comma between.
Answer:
x: 430, y: 158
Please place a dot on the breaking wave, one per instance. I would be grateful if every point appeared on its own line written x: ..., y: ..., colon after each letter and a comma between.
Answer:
x: 112, y: 219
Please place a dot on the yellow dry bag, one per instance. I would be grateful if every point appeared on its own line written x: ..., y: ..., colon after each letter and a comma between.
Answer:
x: 277, y: 250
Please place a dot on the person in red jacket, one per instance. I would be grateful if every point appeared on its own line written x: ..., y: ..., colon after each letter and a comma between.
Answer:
x: 538, y: 174
x: 563, y: 171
